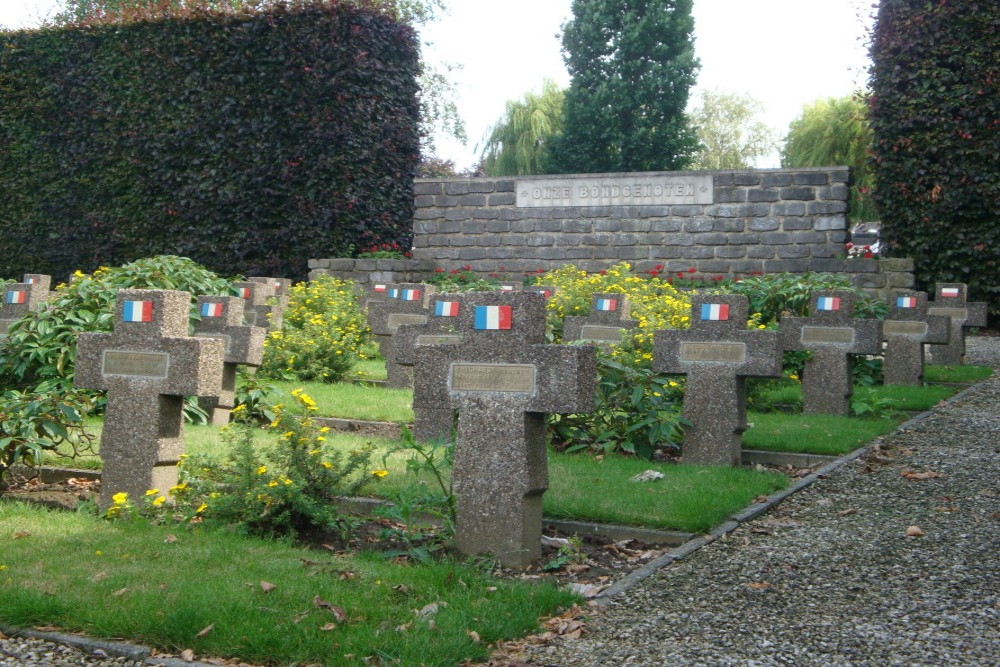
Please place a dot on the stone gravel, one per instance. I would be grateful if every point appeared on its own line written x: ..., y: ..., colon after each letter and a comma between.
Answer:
x: 829, y: 576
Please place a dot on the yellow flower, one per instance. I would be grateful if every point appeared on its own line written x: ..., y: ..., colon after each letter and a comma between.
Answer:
x: 327, y: 465
x: 794, y: 376
x: 152, y: 492
x: 325, y: 429
x: 159, y: 501
x: 98, y: 553
x: 380, y: 473
x: 2, y: 568
x: 178, y: 488
x: 120, y: 498
x: 261, y: 470
x: 201, y: 508
x: 272, y: 483
x: 214, y: 494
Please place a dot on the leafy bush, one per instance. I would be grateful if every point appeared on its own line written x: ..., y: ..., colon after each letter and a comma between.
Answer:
x: 935, y: 101
x: 41, y: 346
x: 637, y: 412
x: 35, y: 422
x: 324, y: 332
x: 775, y: 295
x: 461, y: 280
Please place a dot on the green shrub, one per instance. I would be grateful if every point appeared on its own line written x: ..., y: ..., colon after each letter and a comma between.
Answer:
x: 782, y: 294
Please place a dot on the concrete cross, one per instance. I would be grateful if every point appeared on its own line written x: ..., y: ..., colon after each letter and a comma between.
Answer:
x: 148, y: 364
x: 503, y: 379
x: 950, y: 301
x: 20, y: 298
x: 281, y: 287
x: 905, y: 331
x: 261, y: 307
x: 404, y: 303
x: 833, y: 336
x: 607, y: 321
x: 717, y: 354
x: 222, y: 318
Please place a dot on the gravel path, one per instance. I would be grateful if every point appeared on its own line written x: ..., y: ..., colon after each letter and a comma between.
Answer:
x: 830, y: 577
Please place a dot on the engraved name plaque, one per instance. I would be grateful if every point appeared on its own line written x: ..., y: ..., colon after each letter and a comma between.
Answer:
x: 228, y: 339
x: 251, y: 317
x: 835, y: 335
x: 493, y: 377
x: 953, y: 313
x: 616, y: 191
x: 904, y: 328
x: 735, y: 353
x: 135, y: 364
x: 395, y: 320
x: 5, y: 326
x: 443, y: 339
x: 596, y: 332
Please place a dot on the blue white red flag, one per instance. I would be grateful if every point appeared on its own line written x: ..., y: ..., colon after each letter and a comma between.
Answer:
x: 137, y: 311
x: 16, y: 296
x: 609, y: 305
x: 493, y: 317
x: 715, y: 311
x: 212, y: 309
x: 446, y: 309
x: 906, y: 302
x: 828, y: 303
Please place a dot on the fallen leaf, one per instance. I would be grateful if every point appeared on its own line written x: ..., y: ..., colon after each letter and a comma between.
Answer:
x: 121, y: 592
x: 404, y: 627
x: 170, y: 539
x: 18, y: 535
x: 586, y: 590
x: 328, y: 547
x: 848, y: 512
x: 306, y: 561
x: 473, y: 635
x: 348, y: 576
x: 47, y: 628
x: 205, y: 630
x: 338, y: 612
x: 428, y: 610
x: 187, y: 655
x: 914, y: 531
x: 919, y: 476
x: 298, y: 617
x: 100, y: 576
x: 759, y: 585
x: 267, y: 586
x: 760, y: 499
x: 491, y: 589
x: 401, y: 588
x: 574, y: 568
x: 328, y: 626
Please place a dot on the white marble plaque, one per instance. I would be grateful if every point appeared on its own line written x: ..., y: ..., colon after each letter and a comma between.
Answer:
x: 135, y: 364
x: 516, y: 378
x: 635, y: 190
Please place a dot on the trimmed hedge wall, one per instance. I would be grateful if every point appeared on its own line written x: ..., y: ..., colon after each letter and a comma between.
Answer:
x: 935, y: 116
x: 248, y: 144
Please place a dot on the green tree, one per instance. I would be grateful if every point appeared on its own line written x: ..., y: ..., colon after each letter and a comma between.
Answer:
x: 631, y: 64
x: 517, y: 145
x: 831, y: 132
x: 935, y: 105
x: 730, y: 132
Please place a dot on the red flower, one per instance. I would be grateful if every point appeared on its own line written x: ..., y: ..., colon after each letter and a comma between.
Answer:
x: 680, y: 275
x: 438, y: 269
x: 453, y: 271
x: 716, y: 278
x: 467, y: 267
x: 658, y: 267
x: 691, y: 270
x: 654, y: 273
x: 603, y: 272
x: 848, y: 245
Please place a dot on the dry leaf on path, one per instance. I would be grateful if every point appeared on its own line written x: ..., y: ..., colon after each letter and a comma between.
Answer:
x: 919, y: 476
x: 848, y: 512
x: 187, y: 655
x: 759, y: 585
x: 914, y: 531
x: 267, y: 586
x: 338, y: 612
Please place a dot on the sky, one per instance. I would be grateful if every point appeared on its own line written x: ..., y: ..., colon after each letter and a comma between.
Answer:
x: 783, y: 53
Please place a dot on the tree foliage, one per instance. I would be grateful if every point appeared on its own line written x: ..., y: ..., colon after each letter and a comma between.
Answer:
x: 935, y: 114
x: 518, y: 143
x: 730, y: 132
x: 831, y: 132
x: 631, y: 64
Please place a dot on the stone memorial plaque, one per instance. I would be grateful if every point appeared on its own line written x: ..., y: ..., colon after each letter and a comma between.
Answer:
x: 251, y: 317
x: 953, y: 313
x: 596, y: 332
x: 904, y: 328
x: 734, y: 353
x: 396, y: 319
x: 518, y: 378
x: 616, y: 191
x: 836, y: 335
x: 430, y: 339
x: 223, y: 337
x: 5, y: 326
x: 135, y: 364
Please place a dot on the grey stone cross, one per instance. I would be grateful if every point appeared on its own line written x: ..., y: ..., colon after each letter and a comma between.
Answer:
x: 404, y: 303
x: 950, y: 301
x: 148, y: 364
x: 222, y: 318
x: 281, y: 287
x: 434, y: 421
x: 607, y: 321
x: 905, y: 331
x: 503, y: 379
x: 832, y: 335
x: 717, y: 354
x: 19, y: 298
x: 261, y: 307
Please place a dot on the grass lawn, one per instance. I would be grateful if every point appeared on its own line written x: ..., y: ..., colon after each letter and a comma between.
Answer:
x: 166, y: 585
x: 351, y: 401
x: 813, y: 434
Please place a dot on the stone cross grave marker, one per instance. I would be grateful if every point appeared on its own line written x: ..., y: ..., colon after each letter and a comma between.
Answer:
x: 503, y: 379
x: 950, y: 301
x: 905, y: 330
x: 148, y: 364
x: 833, y: 335
x: 607, y: 321
x: 222, y: 318
x: 366, y: 294
x: 405, y: 303
x: 433, y: 421
x: 19, y: 298
x: 261, y: 308
x: 545, y: 290
x: 717, y: 354
x: 281, y: 287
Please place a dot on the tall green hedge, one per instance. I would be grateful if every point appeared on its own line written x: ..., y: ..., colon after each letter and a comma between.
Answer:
x: 935, y: 103
x: 247, y: 143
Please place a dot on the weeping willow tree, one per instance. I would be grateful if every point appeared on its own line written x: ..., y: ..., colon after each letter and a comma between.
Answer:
x: 833, y: 132
x: 518, y: 144
x: 730, y: 131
